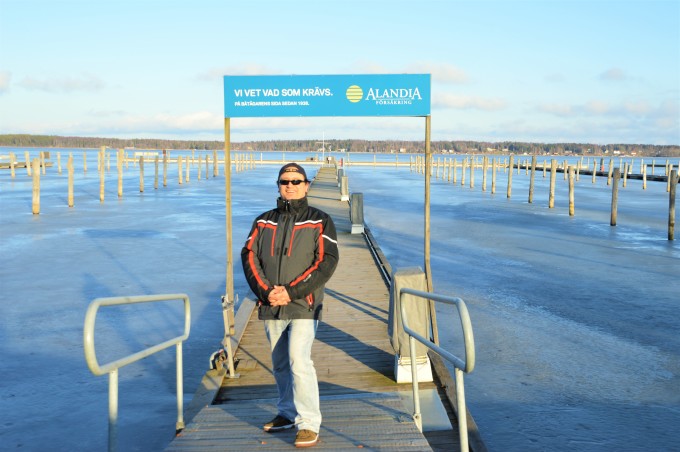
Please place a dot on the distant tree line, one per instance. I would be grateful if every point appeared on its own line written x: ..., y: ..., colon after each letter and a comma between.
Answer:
x: 349, y: 145
x: 94, y: 142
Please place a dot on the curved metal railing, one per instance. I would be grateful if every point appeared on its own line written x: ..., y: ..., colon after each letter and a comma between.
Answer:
x: 112, y: 367
x: 461, y: 365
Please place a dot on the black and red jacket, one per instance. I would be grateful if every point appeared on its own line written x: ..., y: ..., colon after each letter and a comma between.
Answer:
x: 296, y: 246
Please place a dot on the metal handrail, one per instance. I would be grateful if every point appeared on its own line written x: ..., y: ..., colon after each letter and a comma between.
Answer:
x: 461, y: 365
x: 112, y: 367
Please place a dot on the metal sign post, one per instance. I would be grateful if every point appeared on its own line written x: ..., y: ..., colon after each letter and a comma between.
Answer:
x: 228, y: 300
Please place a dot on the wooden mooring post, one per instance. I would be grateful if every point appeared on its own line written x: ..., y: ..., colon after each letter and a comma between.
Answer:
x: 553, y: 174
x: 571, y: 190
x: 668, y: 176
x: 671, y: 204
x: 155, y: 173
x: 12, y: 164
x: 120, y: 155
x: 463, y: 170
x: 472, y: 171
x: 141, y: 174
x: 165, y: 169
x: 215, y: 170
x: 510, y: 166
x: 69, y: 169
x: 36, y: 185
x: 531, y: 180
x: 102, y: 174
x: 485, y: 167
x: 615, y: 195
x: 594, y: 171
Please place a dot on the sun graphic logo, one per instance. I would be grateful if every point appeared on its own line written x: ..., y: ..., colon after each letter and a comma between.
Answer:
x: 354, y: 94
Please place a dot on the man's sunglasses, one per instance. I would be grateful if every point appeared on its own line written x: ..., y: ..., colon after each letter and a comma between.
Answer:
x: 294, y: 182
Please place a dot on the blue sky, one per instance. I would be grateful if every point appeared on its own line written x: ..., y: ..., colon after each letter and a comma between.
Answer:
x: 541, y: 71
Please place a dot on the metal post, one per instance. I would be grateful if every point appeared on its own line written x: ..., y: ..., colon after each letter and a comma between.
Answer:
x: 228, y: 305
x: 113, y: 410
x: 462, y: 410
x: 428, y: 268
x: 428, y: 172
x: 414, y: 379
x: 180, y: 389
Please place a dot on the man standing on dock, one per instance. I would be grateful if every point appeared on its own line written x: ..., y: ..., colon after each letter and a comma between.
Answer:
x: 290, y: 254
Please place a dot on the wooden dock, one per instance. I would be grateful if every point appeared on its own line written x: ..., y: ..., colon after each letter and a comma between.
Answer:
x: 362, y: 405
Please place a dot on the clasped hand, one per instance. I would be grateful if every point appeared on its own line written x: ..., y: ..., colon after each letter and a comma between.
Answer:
x: 279, y: 296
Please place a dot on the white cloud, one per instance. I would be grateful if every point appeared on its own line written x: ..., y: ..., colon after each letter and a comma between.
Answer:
x: 555, y: 78
x: 243, y: 69
x: 556, y: 109
x: 468, y: 102
x: 624, y: 122
x: 670, y: 107
x: 86, y: 83
x: 613, y: 74
x: 5, y: 78
x: 596, y: 107
x: 118, y: 124
x: 167, y: 123
x: 369, y: 67
x: 441, y: 73
x: 637, y: 108
x: 106, y: 113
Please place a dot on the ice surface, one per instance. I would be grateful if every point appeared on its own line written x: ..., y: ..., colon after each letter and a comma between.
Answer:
x: 575, y: 321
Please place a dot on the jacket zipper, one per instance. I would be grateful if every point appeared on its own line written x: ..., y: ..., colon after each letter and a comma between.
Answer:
x: 282, y: 248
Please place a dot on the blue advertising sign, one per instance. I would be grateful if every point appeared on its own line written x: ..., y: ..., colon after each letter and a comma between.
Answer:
x: 326, y: 95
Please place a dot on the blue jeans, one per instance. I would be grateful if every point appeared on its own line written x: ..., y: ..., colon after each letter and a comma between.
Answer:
x: 291, y: 345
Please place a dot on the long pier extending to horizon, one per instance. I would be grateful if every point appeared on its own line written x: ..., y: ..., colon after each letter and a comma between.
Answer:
x: 362, y: 404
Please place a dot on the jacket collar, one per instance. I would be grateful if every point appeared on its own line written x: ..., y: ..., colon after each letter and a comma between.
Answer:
x: 292, y: 206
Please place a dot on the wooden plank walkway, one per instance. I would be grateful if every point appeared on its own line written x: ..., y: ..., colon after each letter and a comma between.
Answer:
x: 361, y: 404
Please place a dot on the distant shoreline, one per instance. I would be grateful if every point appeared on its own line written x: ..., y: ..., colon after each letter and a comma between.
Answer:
x: 348, y: 145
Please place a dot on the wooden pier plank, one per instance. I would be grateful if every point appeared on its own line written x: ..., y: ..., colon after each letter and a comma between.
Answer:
x: 367, y: 421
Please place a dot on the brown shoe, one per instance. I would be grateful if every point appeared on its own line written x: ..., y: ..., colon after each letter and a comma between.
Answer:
x: 306, y: 438
x: 277, y: 424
